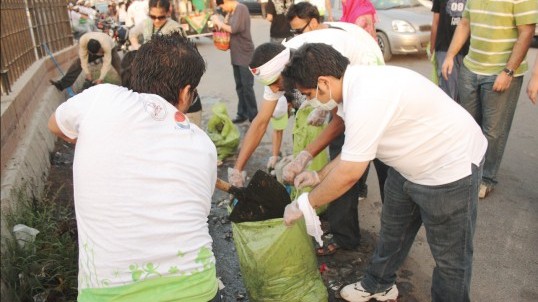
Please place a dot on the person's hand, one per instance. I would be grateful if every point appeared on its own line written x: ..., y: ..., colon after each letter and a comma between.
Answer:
x: 216, y: 21
x: 236, y: 178
x: 306, y: 179
x: 271, y: 163
x: 298, y: 164
x: 98, y: 81
x: 292, y: 213
x: 89, y: 78
x: 502, y: 82
x: 317, y: 117
x: 446, y: 69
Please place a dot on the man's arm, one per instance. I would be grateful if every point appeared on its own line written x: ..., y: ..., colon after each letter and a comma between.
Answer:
x: 134, y: 34
x: 107, y: 45
x: 333, y: 130
x: 255, y: 133
x: 55, y: 129
x: 329, y: 10
x: 337, y: 177
x: 519, y: 51
x: 463, y: 30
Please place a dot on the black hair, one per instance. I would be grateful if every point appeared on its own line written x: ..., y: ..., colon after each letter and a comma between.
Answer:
x: 165, y: 65
x: 165, y: 4
x: 125, y: 65
x: 311, y: 61
x: 303, y: 10
x: 264, y: 53
x: 93, y: 46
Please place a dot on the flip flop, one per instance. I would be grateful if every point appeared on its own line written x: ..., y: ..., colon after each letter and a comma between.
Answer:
x: 329, y: 247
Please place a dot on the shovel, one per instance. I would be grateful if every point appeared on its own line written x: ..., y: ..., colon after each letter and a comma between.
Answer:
x: 263, y: 198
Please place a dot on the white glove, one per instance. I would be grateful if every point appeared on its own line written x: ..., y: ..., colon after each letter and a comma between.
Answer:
x: 271, y: 163
x: 317, y: 117
x: 292, y: 213
x: 298, y: 164
x: 236, y: 178
x: 306, y: 179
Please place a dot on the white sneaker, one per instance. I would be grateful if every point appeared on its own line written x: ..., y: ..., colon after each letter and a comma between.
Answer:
x: 356, y: 293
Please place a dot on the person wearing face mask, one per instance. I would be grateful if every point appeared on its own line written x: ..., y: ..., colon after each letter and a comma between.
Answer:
x: 267, y: 62
x: 435, y: 151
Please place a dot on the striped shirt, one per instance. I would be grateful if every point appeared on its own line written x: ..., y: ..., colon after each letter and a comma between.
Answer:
x: 494, y: 33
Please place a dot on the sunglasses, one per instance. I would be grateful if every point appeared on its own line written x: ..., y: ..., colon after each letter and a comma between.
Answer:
x: 160, y: 18
x: 300, y: 31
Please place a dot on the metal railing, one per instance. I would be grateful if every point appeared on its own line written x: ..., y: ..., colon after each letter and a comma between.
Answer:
x: 26, y: 27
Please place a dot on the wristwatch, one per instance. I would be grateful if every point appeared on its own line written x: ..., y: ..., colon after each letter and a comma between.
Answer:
x: 509, y: 72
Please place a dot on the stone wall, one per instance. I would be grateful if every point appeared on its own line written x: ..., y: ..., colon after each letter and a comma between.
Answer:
x: 25, y: 140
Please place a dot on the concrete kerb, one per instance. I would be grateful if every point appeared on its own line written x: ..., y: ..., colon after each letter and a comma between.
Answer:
x: 25, y: 137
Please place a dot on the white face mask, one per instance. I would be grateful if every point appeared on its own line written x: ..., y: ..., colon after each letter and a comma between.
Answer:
x: 330, y: 105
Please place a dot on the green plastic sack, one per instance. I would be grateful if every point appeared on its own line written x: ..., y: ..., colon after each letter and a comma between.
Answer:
x: 278, y: 263
x: 304, y: 134
x: 222, y: 131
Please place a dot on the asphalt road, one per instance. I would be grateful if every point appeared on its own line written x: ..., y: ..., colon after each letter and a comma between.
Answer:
x: 506, y: 239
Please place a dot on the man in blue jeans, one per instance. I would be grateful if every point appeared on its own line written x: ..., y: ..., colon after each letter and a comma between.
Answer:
x: 434, y: 149
x: 492, y: 73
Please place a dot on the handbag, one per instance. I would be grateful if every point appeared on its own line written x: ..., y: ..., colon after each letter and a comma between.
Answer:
x: 221, y: 40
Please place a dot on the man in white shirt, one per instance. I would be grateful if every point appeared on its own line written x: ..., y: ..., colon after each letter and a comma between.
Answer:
x: 92, y: 46
x: 143, y: 178
x: 435, y: 150
x: 136, y: 13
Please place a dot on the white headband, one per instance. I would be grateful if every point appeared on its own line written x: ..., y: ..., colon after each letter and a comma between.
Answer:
x: 269, y: 72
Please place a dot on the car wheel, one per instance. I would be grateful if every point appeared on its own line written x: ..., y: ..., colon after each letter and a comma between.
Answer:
x: 384, y: 44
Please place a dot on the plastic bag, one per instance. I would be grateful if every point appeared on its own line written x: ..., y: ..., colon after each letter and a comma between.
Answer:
x: 221, y: 40
x: 222, y: 131
x: 278, y: 263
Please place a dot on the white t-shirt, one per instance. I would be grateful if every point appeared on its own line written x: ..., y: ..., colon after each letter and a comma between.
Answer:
x: 143, y: 180
x: 360, y: 49
x: 137, y: 12
x: 411, y: 125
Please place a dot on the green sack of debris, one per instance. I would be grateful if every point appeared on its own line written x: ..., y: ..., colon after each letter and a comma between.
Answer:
x: 222, y: 131
x: 278, y: 263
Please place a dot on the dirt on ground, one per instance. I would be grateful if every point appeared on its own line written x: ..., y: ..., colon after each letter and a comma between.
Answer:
x: 337, y: 270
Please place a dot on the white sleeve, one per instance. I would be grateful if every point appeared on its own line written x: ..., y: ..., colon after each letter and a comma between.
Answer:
x: 269, y: 95
x: 70, y: 113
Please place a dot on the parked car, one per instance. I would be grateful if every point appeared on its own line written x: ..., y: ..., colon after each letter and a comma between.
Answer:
x: 404, y: 26
x: 254, y: 6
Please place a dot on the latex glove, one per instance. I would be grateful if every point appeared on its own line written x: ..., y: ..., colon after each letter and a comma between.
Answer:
x: 292, y: 213
x: 311, y: 219
x: 236, y: 178
x: 298, y: 164
x: 271, y: 163
x: 306, y: 179
x: 317, y: 117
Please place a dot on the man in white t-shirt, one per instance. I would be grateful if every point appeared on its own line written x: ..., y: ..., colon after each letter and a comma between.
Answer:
x: 137, y: 12
x: 143, y: 178
x: 435, y: 150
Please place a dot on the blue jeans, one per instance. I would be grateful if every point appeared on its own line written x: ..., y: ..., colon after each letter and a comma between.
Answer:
x: 449, y: 86
x: 244, y: 86
x: 493, y: 111
x: 448, y: 213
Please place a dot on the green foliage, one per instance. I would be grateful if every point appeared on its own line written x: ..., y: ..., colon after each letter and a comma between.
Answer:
x: 47, y: 268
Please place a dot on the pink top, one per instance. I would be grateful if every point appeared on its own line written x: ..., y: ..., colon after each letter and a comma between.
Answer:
x: 352, y: 9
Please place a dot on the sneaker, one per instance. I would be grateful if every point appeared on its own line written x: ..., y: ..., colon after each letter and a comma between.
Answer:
x: 355, y: 293
x: 239, y: 120
x: 56, y: 84
x: 484, y: 191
